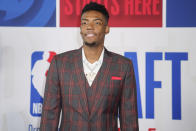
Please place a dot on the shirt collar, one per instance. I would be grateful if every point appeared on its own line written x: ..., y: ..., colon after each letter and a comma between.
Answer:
x: 100, y: 60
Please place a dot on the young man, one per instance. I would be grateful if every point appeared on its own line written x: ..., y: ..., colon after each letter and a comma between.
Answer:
x: 90, y: 84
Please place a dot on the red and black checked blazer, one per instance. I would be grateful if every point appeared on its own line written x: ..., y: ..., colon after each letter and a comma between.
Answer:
x: 113, y: 88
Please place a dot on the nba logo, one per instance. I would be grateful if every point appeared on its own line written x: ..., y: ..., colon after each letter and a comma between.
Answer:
x: 40, y: 62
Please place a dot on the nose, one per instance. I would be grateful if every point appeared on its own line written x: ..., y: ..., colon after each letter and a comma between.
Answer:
x: 90, y: 26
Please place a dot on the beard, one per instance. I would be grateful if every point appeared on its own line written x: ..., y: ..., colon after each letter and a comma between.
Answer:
x: 93, y: 44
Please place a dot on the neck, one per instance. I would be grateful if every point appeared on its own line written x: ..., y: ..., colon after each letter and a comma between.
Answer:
x: 92, y: 53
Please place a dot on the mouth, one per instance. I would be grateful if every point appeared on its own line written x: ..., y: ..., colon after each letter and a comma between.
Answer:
x: 89, y: 35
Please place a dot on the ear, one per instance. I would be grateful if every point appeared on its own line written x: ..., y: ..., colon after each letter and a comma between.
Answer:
x: 80, y: 30
x: 107, y: 29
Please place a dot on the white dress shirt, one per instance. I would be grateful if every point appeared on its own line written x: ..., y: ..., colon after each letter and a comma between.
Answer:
x: 91, y: 70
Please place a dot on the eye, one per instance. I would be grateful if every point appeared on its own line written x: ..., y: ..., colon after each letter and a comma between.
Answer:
x: 98, y: 23
x: 83, y: 23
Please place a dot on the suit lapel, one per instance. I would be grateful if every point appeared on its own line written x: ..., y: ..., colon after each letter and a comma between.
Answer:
x: 99, y: 82
x: 81, y: 80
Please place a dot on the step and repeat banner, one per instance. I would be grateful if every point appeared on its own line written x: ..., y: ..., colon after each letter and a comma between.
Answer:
x: 159, y: 36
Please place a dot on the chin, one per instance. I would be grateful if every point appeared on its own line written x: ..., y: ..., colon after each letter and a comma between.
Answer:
x: 90, y: 44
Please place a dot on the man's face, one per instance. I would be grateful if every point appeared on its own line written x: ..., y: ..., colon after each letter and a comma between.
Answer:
x: 93, y: 28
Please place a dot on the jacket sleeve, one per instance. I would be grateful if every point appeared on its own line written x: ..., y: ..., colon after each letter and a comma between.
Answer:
x: 128, y: 103
x: 52, y: 100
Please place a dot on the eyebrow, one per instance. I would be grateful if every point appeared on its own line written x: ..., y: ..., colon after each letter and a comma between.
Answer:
x: 93, y: 20
x: 83, y: 19
x: 98, y: 19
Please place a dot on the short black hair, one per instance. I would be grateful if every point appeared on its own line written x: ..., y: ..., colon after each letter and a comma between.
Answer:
x: 96, y: 7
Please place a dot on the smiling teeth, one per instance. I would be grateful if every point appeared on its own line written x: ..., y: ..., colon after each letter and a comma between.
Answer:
x: 90, y: 35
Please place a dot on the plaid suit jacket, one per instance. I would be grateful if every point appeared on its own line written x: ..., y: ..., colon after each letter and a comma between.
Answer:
x: 114, y: 88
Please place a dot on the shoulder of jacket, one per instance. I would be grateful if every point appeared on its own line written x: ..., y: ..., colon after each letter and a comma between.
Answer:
x: 67, y: 55
x: 119, y: 58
